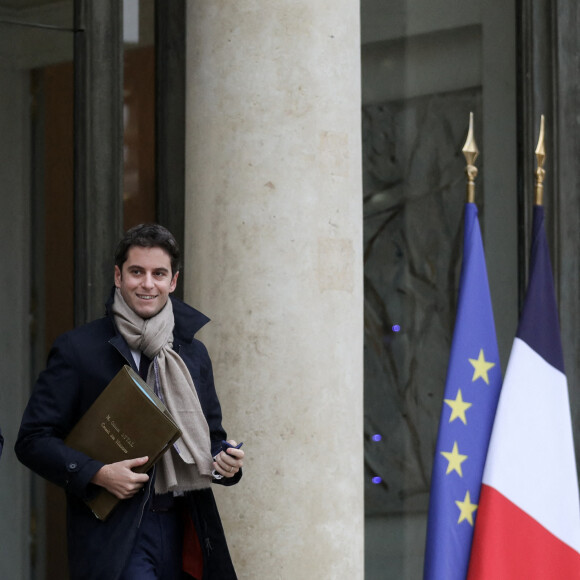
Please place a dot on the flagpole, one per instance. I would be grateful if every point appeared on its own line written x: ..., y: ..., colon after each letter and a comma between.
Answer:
x: 528, y: 521
x: 540, y: 171
x: 470, y: 397
x: 470, y: 152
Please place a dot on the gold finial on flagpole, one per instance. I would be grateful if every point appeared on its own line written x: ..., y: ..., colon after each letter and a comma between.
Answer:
x: 540, y: 171
x: 470, y: 152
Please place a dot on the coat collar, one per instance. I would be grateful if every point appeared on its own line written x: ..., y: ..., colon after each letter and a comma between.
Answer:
x: 188, y: 320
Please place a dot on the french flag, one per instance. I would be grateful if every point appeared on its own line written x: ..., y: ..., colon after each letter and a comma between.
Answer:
x: 528, y: 518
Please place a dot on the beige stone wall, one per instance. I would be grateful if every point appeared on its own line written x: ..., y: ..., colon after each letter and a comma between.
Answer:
x: 273, y: 254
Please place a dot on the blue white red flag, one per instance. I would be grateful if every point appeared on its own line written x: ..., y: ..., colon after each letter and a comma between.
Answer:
x: 528, y: 524
x: 471, y: 393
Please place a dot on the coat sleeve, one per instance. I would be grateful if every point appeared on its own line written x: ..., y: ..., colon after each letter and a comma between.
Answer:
x: 52, y: 411
x: 211, y: 406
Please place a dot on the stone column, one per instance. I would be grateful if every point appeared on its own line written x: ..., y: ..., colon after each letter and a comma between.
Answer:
x: 273, y: 254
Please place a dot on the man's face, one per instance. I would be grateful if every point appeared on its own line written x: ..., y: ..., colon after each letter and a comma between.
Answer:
x: 145, y: 280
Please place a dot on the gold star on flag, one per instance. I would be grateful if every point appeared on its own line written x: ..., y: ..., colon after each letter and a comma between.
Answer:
x: 481, y: 367
x: 455, y: 460
x: 466, y: 509
x: 458, y: 407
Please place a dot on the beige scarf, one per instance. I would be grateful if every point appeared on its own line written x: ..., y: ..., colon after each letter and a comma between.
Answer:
x: 188, y: 464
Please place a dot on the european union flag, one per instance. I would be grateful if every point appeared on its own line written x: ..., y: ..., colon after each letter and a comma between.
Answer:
x: 471, y: 394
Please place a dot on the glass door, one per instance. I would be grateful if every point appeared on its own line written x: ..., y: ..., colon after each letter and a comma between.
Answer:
x: 37, y: 210
x: 36, y: 54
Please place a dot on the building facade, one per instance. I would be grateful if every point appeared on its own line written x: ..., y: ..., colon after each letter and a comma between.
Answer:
x: 308, y: 157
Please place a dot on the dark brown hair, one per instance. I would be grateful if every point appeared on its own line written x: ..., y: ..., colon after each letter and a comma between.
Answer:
x: 148, y: 236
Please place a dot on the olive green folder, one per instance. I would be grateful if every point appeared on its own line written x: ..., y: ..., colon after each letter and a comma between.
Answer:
x: 126, y: 421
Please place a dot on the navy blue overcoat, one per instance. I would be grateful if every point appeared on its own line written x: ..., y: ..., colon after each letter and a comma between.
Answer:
x: 80, y: 365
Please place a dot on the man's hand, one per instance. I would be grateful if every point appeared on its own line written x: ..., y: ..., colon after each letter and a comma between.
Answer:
x: 229, y: 463
x: 119, y: 479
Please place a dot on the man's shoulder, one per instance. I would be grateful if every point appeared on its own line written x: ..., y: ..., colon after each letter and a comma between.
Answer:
x: 188, y: 320
x: 99, y: 330
x: 90, y: 349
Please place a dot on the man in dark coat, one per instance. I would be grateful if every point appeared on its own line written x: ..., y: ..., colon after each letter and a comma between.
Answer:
x: 167, y: 521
